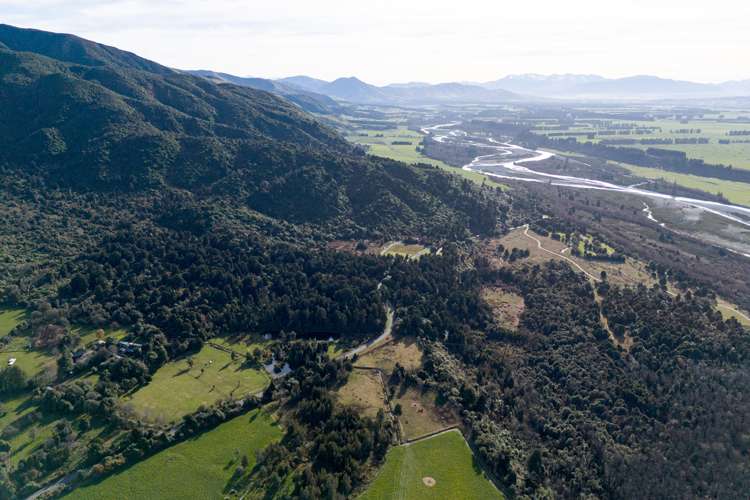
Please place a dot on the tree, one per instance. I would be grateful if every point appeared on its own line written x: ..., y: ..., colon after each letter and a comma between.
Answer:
x: 65, y: 363
x: 12, y: 380
x: 535, y: 466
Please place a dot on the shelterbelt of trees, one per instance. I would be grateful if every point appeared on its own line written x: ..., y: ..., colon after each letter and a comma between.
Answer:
x: 674, y: 161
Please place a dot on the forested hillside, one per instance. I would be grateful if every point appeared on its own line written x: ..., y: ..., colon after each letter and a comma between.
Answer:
x: 100, y: 119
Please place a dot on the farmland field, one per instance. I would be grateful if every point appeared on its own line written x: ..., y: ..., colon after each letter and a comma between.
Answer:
x: 404, y: 351
x: 381, y: 143
x: 178, y: 388
x: 198, y: 468
x: 439, y: 467
x: 9, y: 318
x: 363, y: 391
x: 420, y: 413
x: 710, y: 129
x: 735, y: 192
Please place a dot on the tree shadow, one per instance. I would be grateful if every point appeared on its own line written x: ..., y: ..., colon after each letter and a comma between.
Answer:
x: 476, y: 465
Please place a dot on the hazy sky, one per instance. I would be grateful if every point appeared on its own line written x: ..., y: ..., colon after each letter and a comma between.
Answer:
x: 384, y: 41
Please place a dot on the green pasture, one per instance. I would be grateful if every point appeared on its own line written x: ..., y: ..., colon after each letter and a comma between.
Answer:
x: 178, y: 388
x: 9, y: 318
x: 199, y: 468
x: 445, y: 458
x: 735, y: 154
x: 381, y: 143
x: 735, y: 192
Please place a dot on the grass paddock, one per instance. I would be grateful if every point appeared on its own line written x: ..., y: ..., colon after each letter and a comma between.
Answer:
x: 197, y: 468
x: 178, y: 388
x: 445, y: 458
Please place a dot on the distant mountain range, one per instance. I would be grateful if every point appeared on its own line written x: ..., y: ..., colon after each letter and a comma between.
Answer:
x: 512, y: 88
x: 354, y: 90
x: 597, y: 87
x: 308, y: 100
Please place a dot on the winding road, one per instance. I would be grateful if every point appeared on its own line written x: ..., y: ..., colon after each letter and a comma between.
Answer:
x: 568, y: 259
x: 595, y: 279
x: 387, y: 332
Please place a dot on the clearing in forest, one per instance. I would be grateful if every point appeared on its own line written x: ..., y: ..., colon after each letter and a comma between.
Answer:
x: 507, y: 306
x: 441, y: 466
x: 182, y: 386
x: 363, y: 391
x: 404, y: 351
x: 542, y: 249
x: 410, y: 251
x: 196, y: 468
x: 729, y: 310
x: 9, y: 318
x: 421, y: 414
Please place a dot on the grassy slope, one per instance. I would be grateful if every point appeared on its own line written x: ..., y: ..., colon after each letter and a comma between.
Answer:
x: 31, y: 436
x: 445, y: 458
x: 404, y: 351
x: 31, y: 362
x: 9, y: 318
x: 198, y: 468
x: 177, y: 390
x: 729, y: 310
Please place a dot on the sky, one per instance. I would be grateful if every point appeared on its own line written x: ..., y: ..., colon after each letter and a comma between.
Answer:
x: 387, y: 41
